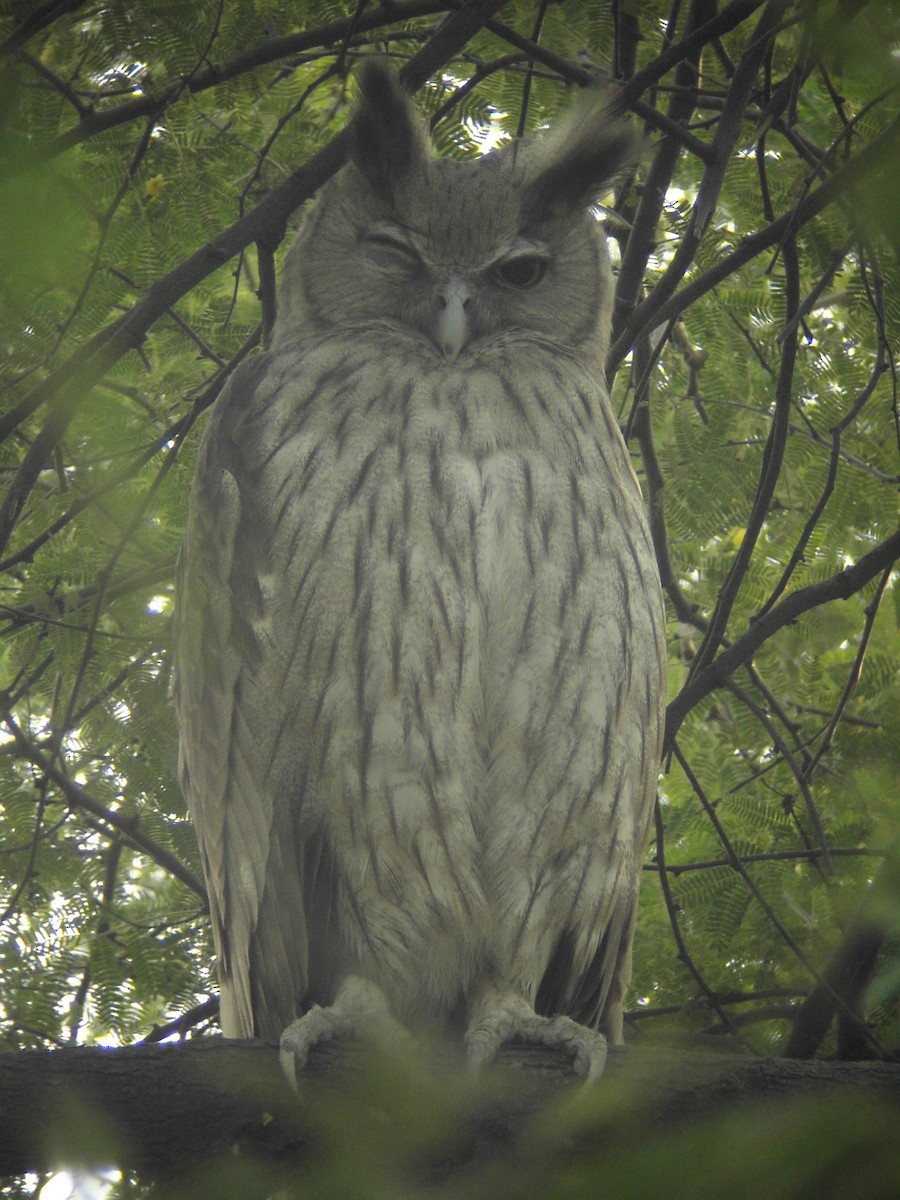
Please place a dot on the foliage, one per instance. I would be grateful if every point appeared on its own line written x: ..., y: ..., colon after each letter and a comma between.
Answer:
x: 754, y: 373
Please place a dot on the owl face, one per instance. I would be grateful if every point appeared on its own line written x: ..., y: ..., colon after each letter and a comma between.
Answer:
x: 454, y: 258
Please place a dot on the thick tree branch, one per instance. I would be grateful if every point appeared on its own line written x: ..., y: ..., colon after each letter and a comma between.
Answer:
x: 164, y: 1110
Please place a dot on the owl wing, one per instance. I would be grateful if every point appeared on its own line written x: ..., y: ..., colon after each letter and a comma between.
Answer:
x: 260, y: 874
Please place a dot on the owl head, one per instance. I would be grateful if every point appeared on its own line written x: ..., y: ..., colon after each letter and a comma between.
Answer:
x: 452, y: 259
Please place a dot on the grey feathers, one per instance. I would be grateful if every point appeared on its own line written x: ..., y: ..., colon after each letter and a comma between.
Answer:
x: 420, y: 633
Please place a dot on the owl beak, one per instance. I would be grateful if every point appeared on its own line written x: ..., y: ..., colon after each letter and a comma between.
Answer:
x: 453, y: 319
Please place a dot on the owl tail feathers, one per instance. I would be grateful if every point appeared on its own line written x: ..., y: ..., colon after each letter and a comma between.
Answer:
x: 580, y: 155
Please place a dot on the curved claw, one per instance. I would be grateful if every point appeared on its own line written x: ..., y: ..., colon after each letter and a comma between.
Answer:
x: 360, y: 1010
x: 317, y: 1025
x: 503, y: 1018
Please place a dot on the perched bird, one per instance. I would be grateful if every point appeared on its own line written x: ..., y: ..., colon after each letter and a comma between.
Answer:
x: 420, y: 633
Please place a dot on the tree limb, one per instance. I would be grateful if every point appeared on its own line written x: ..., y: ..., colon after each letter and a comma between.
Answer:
x: 839, y: 587
x: 657, y: 308
x: 37, y: 19
x: 262, y: 54
x: 266, y: 223
x: 127, y: 825
x: 165, y: 1109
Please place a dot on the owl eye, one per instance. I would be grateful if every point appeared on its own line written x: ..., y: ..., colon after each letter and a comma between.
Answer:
x: 399, y: 247
x: 523, y: 271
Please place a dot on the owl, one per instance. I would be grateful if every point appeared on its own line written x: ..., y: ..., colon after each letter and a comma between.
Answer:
x: 419, y: 631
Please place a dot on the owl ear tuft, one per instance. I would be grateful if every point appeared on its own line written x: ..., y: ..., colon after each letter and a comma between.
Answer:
x: 388, y: 138
x: 578, y: 156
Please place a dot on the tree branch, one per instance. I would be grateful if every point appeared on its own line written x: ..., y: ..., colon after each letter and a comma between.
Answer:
x: 848, y: 971
x: 260, y: 55
x: 165, y: 1110
x: 839, y: 587
x: 128, y: 826
x: 39, y: 18
x: 770, y: 470
x: 657, y: 309
x: 642, y: 240
x: 266, y: 223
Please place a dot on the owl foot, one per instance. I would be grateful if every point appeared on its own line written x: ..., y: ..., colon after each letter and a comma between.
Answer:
x: 502, y: 1017
x: 360, y: 1009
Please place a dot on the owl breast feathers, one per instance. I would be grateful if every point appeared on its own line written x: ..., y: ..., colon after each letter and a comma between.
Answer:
x: 420, y: 636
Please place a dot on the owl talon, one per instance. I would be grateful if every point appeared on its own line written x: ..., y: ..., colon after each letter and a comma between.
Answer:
x: 360, y: 1010
x: 317, y: 1026
x: 509, y: 1017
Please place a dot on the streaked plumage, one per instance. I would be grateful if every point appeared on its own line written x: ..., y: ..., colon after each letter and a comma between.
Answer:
x: 420, y: 632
